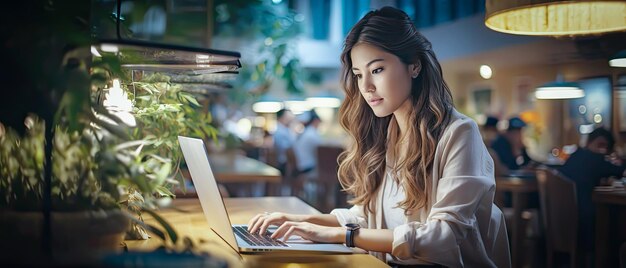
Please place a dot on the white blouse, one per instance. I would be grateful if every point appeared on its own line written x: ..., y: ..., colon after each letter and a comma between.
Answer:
x: 460, y: 226
x: 393, y: 194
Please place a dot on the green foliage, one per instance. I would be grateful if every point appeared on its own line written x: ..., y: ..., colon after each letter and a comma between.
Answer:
x: 79, y: 174
x: 97, y: 162
x: 164, y: 112
x: 273, y: 29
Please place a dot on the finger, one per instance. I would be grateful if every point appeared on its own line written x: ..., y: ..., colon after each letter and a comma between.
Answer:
x: 264, y: 226
x: 257, y: 224
x: 252, y: 221
x: 282, y: 229
x: 292, y: 231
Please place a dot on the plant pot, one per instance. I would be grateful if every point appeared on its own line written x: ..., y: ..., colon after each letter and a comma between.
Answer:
x: 78, y: 238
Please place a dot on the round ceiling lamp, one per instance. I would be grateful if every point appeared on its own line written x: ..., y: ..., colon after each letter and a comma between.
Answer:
x: 555, y: 18
x: 559, y: 90
x: 618, y: 60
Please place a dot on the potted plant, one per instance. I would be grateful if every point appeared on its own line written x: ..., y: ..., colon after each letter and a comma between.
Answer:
x: 71, y: 170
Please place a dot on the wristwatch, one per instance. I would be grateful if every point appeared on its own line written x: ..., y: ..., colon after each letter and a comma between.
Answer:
x: 352, y: 229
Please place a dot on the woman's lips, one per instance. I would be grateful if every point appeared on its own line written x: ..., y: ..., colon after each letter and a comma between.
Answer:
x: 375, y: 101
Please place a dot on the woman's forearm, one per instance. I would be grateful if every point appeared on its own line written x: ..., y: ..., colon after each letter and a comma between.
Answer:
x: 379, y: 240
x: 322, y: 219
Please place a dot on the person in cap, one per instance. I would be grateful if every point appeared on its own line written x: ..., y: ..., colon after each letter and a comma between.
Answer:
x: 489, y: 130
x: 509, y: 147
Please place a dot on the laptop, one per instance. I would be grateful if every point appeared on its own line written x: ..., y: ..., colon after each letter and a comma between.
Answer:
x: 236, y: 236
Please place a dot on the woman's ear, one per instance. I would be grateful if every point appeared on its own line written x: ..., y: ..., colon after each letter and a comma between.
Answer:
x: 415, y: 69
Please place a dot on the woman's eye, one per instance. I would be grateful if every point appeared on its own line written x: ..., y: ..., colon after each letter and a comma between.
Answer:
x: 377, y: 70
x: 359, y: 76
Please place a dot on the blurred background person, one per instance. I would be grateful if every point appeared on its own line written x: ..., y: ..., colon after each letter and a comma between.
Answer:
x: 305, y: 147
x: 587, y: 167
x: 509, y: 147
x: 284, y: 138
x: 489, y: 130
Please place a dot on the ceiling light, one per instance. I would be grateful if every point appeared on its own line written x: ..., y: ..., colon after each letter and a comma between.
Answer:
x: 485, y: 71
x: 297, y: 106
x: 618, y: 60
x: 324, y: 99
x: 266, y: 107
x: 559, y: 90
x: 267, y: 104
x: 555, y: 18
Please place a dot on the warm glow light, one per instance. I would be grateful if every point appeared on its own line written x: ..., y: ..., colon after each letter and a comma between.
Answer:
x: 597, y: 118
x: 109, y: 48
x: 244, y: 125
x: 555, y: 93
x: 485, y: 71
x: 297, y: 106
x: 94, y: 51
x: 259, y: 121
x: 267, y: 107
x: 118, y: 104
x: 529, y: 116
x: 323, y: 102
x: 618, y: 60
x: 559, y: 90
x: 555, y: 17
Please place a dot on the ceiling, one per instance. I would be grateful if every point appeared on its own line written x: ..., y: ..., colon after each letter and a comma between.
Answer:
x: 549, y: 51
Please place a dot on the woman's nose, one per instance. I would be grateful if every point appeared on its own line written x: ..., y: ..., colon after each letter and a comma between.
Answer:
x: 367, y: 85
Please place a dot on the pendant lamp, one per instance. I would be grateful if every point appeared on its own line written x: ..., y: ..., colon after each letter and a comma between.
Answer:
x: 559, y: 90
x: 555, y: 18
x: 619, y: 59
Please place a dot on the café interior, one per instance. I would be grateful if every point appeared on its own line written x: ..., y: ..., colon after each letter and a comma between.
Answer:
x: 107, y: 99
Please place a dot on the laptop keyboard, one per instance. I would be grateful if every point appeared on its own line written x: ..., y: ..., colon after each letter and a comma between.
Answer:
x: 257, y: 239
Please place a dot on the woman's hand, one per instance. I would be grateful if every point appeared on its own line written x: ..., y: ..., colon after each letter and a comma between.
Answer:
x: 261, y: 222
x: 310, y: 231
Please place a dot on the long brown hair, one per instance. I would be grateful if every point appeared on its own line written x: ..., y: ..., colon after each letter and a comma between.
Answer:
x: 362, y: 165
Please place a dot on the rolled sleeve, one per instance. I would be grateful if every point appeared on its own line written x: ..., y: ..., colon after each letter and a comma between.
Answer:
x: 352, y: 215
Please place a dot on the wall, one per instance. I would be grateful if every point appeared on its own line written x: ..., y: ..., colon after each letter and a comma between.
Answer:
x: 555, y: 129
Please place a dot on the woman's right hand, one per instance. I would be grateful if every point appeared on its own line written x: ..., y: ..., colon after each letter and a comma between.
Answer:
x: 261, y: 222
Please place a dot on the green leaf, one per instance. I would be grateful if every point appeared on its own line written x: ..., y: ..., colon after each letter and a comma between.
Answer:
x: 168, y: 228
x: 163, y: 191
x: 190, y: 99
x: 163, y: 172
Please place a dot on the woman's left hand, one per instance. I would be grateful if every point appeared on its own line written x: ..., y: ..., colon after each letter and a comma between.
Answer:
x: 310, y: 231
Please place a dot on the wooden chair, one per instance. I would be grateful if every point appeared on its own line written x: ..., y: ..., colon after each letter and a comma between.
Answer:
x: 327, y: 164
x: 559, y: 209
x: 327, y: 191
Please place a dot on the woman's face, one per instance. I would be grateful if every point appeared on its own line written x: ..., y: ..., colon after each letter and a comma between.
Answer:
x: 383, y: 79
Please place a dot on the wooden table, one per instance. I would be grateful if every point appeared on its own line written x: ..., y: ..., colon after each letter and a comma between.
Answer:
x: 233, y: 168
x: 608, y: 205
x: 192, y: 224
x: 236, y: 168
x: 520, y: 186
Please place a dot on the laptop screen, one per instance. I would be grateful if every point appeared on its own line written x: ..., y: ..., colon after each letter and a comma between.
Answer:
x: 197, y: 159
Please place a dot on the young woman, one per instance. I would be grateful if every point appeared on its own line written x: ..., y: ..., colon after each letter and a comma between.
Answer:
x: 420, y: 174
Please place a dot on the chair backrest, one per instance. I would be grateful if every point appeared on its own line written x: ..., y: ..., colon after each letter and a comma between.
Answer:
x: 327, y: 164
x: 559, y: 209
x: 291, y: 169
